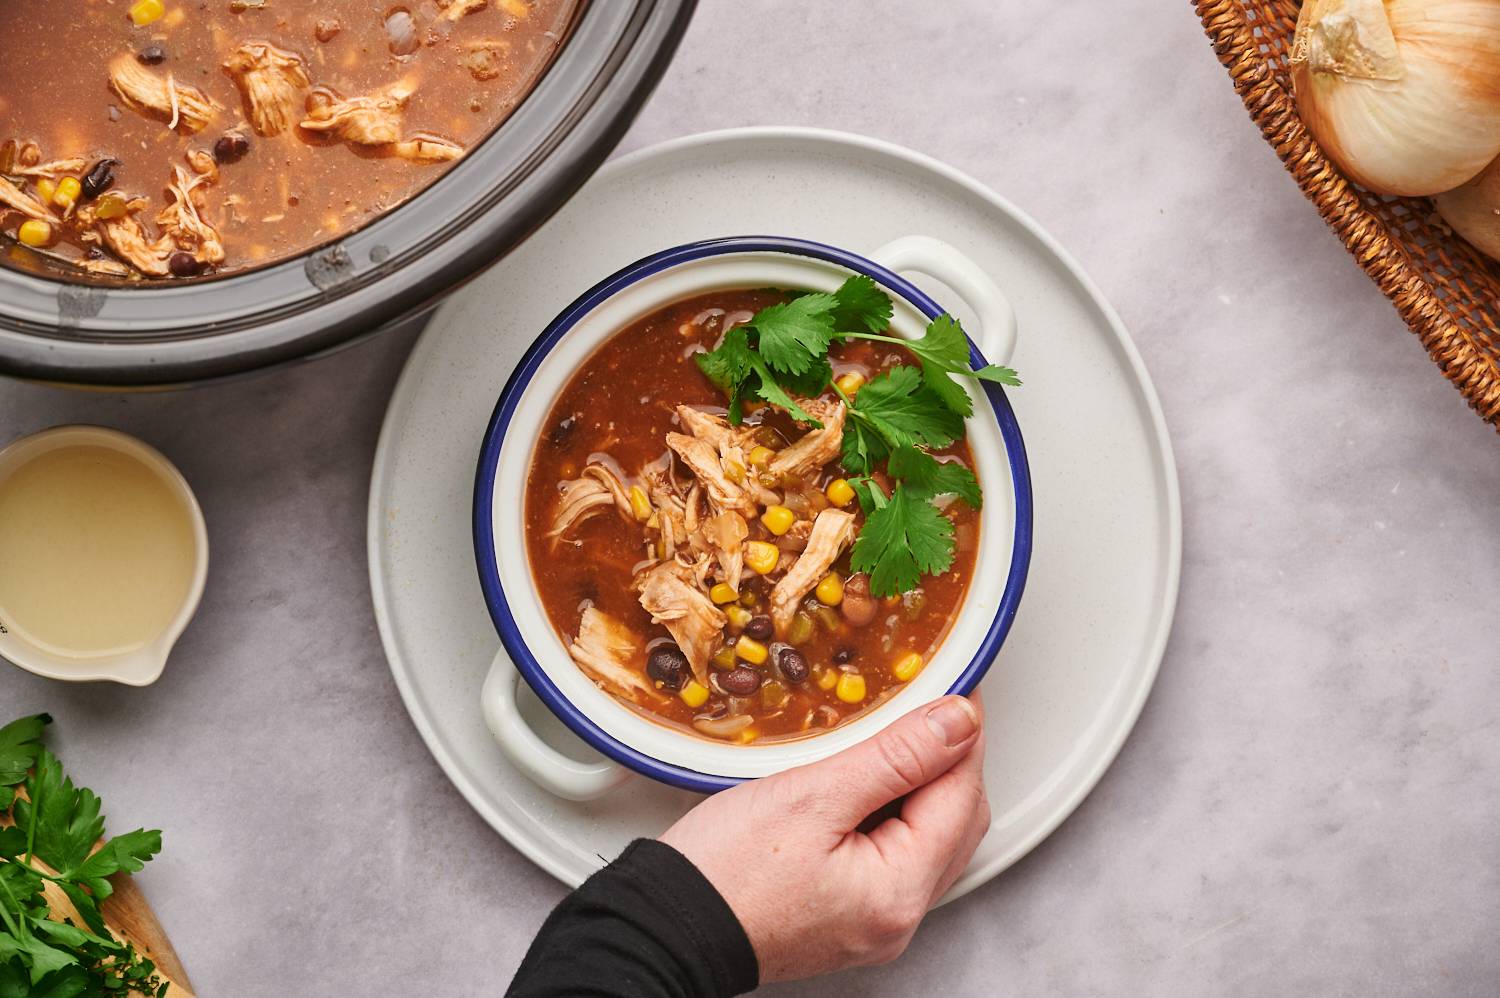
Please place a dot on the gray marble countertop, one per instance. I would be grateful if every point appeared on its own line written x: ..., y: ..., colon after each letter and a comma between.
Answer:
x: 1309, y: 803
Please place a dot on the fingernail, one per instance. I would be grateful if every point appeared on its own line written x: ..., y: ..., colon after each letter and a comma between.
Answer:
x: 953, y: 720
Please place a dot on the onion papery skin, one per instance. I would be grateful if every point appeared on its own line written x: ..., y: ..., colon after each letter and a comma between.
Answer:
x: 1430, y: 129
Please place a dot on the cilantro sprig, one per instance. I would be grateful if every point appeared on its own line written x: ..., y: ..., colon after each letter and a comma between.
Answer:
x: 896, y: 419
x: 48, y: 828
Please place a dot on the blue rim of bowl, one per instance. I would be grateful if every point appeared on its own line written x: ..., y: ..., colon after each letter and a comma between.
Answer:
x: 489, y: 458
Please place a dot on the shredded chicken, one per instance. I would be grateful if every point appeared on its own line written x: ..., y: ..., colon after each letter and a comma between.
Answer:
x: 818, y: 446
x: 375, y: 122
x: 184, y: 107
x: 831, y: 533
x: 591, y: 492
x: 181, y: 228
x: 53, y: 170
x: 271, y: 82
x: 14, y: 198
x: 461, y: 8
x: 726, y: 534
x: 687, y: 613
x: 426, y: 149
x: 703, y: 461
x: 731, y: 443
x: 606, y: 650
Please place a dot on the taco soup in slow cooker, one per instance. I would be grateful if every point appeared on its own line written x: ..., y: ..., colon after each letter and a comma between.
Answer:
x: 752, y: 514
x: 175, y: 138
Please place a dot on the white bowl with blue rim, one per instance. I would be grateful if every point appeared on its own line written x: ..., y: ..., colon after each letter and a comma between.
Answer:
x: 533, y: 650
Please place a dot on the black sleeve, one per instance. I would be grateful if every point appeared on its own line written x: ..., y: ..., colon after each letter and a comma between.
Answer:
x: 647, y: 925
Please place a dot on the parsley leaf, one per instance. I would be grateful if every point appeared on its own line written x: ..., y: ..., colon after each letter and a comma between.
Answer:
x: 43, y: 952
x: 795, y: 333
x: 861, y: 306
x: 926, y: 476
x: 18, y: 747
x: 901, y: 541
x: 905, y: 411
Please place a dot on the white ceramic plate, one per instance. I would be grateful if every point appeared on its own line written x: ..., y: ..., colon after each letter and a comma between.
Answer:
x: 1079, y: 663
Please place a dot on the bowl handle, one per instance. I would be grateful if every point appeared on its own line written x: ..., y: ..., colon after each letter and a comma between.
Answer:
x: 542, y: 764
x: 996, y: 336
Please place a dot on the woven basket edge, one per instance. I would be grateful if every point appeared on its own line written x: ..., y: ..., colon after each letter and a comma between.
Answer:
x: 1472, y: 372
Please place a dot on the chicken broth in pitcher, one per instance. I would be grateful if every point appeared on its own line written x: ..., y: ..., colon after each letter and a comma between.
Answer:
x: 173, y: 138
x: 700, y: 572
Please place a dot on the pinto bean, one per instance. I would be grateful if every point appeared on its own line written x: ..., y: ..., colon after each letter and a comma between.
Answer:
x: 858, y: 607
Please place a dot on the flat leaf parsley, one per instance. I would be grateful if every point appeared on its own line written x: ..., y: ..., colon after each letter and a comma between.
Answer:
x: 49, y: 839
x: 896, y: 420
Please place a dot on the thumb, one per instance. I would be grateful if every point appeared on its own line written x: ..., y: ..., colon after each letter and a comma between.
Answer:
x: 908, y: 754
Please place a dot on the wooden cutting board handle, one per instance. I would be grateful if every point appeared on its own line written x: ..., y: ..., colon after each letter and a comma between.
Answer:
x: 130, y: 917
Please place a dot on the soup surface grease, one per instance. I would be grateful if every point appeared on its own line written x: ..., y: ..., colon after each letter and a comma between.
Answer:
x: 173, y: 138
x: 614, y: 474
x: 96, y: 552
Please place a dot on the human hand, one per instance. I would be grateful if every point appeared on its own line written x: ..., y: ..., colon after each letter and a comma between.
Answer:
x: 813, y: 892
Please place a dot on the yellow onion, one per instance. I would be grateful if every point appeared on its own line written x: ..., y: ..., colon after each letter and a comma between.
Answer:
x: 1473, y: 210
x: 1403, y: 94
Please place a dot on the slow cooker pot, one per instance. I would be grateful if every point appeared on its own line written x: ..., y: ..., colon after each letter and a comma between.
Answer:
x: 57, y: 326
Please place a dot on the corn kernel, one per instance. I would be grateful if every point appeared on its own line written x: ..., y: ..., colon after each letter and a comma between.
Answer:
x: 839, y: 492
x: 827, y: 679
x: 831, y: 590
x: 738, y: 617
x: 748, y: 735
x: 724, y: 658
x: 721, y: 594
x: 762, y: 556
x: 761, y: 456
x: 639, y: 504
x: 46, y: 190
x: 850, y: 383
x: 851, y: 687
x: 907, y: 667
x: 693, y: 693
x: 66, y: 196
x: 750, y: 650
x: 144, y: 12
x: 778, y: 519
x: 34, y: 232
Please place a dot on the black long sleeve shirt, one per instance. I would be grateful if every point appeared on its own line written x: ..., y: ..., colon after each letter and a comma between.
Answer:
x: 648, y: 925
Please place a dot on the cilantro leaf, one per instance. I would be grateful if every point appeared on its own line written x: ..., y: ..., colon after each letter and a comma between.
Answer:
x: 811, y: 383
x: 773, y: 393
x: 954, y: 395
x: 926, y: 476
x: 943, y: 345
x: 861, y: 306
x: 999, y: 375
x: 862, y: 447
x: 19, y: 744
x: 796, y: 333
x: 902, y: 541
x: 729, y: 365
x: 904, y: 411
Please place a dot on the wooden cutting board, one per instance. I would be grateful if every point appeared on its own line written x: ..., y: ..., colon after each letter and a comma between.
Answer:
x: 130, y: 919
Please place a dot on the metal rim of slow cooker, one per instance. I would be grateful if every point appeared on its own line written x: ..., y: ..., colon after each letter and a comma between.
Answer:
x: 165, y: 334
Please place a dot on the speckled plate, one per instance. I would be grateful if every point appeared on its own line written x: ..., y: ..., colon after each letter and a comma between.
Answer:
x: 1082, y: 656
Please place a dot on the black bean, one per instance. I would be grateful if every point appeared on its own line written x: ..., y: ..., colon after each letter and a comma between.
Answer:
x: 843, y: 656
x: 152, y: 55
x: 561, y: 433
x: 740, y: 682
x: 667, y: 665
x: 231, y: 147
x: 99, y: 179
x: 760, y: 627
x: 793, y: 665
x: 183, y: 264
